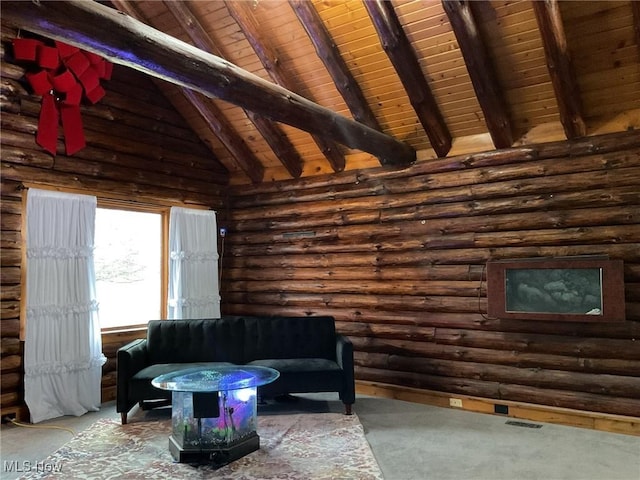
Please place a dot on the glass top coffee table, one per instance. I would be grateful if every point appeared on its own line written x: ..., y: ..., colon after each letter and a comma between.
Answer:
x: 214, y: 411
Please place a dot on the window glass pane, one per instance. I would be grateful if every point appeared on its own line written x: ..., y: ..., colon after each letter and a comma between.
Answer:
x: 128, y: 253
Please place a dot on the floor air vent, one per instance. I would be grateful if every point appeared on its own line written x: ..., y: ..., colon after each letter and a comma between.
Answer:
x: 522, y: 424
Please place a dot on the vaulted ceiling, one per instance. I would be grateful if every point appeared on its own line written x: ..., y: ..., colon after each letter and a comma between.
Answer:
x: 421, y: 79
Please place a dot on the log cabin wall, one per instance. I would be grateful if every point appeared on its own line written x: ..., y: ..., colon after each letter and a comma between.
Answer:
x: 398, y: 257
x: 138, y: 147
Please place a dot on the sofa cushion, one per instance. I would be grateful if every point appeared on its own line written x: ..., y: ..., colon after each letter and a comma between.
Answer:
x: 202, y: 340
x: 299, y: 375
x: 289, y: 337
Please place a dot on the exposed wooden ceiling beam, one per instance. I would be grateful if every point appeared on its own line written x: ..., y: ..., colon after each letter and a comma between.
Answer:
x: 277, y: 139
x: 334, y: 63
x: 560, y: 68
x: 129, y: 42
x: 211, y: 115
x: 481, y: 71
x: 233, y: 142
x: 242, y: 14
x: 271, y: 131
x: 403, y: 57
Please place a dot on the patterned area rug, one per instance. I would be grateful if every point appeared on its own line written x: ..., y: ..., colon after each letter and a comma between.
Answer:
x: 301, y: 446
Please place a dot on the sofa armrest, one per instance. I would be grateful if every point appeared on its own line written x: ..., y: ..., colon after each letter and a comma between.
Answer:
x: 344, y: 357
x: 344, y: 351
x: 131, y: 358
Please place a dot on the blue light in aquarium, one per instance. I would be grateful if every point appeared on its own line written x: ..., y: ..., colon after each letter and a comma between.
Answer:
x: 237, y: 419
x: 245, y: 394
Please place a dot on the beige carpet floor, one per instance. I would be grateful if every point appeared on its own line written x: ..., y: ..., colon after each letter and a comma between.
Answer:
x: 413, y: 442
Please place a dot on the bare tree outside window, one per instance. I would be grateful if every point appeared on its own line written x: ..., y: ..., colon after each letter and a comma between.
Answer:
x: 127, y: 261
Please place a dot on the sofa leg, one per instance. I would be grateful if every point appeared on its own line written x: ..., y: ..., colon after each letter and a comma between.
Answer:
x: 123, y: 418
x: 347, y: 408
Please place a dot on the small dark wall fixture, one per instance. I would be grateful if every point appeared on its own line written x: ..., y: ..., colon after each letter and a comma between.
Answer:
x: 574, y: 289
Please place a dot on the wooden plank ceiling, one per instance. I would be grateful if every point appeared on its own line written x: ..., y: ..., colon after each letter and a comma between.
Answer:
x: 442, y: 77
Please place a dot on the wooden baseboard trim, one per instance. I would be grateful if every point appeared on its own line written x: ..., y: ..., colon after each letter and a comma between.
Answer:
x: 539, y: 413
x: 19, y: 413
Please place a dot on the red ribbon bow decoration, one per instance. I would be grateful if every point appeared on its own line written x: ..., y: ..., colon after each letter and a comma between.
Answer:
x: 65, y: 73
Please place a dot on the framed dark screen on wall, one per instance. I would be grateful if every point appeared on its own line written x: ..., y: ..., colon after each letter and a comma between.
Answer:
x: 578, y: 289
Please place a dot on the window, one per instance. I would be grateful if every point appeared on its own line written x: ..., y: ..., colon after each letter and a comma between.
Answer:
x: 130, y: 263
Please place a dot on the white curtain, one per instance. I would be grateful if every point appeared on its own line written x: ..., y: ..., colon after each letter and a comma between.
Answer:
x: 193, y: 264
x: 63, y: 347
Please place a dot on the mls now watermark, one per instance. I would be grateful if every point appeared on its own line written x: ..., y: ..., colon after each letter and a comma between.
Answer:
x: 27, y: 466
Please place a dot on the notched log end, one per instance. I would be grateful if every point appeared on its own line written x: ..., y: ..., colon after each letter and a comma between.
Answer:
x: 402, y: 158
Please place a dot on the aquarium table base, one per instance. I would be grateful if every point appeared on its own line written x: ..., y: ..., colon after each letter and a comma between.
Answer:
x: 217, y: 457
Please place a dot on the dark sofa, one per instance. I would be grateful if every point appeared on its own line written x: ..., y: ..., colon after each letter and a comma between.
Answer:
x: 307, y: 351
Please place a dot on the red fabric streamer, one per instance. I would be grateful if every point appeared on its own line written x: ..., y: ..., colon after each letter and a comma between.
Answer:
x: 72, y: 126
x: 47, y: 136
x: 66, y: 72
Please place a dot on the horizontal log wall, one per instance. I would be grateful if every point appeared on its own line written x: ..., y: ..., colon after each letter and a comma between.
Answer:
x: 398, y: 257
x: 138, y: 148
